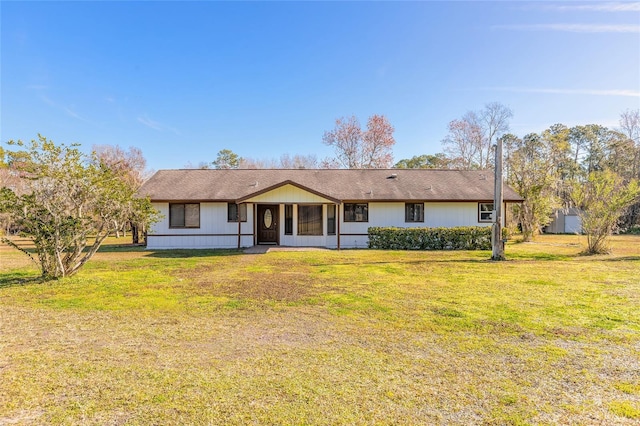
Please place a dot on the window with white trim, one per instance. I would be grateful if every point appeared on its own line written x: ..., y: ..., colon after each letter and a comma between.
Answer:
x: 485, y: 212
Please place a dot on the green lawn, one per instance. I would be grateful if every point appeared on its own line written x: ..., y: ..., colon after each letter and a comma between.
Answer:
x: 325, y: 337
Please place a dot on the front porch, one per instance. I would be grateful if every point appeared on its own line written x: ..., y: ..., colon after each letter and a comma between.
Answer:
x: 288, y: 215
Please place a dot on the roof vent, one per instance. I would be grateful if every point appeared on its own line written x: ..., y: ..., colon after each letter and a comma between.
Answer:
x: 483, y: 177
x: 254, y: 183
x: 393, y: 176
x: 429, y: 188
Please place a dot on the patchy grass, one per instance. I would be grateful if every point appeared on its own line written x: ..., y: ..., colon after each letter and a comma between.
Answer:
x: 325, y: 337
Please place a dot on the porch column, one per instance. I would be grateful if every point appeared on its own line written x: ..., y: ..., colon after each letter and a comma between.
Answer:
x: 338, y: 223
x: 239, y: 225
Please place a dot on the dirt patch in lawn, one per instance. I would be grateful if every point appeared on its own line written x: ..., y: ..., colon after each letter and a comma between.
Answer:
x: 277, y: 280
x: 287, y: 287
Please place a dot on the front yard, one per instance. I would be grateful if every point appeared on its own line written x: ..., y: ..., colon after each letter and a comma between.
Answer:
x: 325, y: 337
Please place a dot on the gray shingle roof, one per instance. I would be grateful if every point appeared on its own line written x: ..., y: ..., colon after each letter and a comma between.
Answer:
x: 337, y: 185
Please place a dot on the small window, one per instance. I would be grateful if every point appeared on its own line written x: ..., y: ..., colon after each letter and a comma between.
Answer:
x: 331, y: 219
x: 356, y: 212
x: 184, y: 215
x: 288, y: 219
x: 485, y: 212
x: 310, y: 220
x: 414, y: 212
x: 232, y: 212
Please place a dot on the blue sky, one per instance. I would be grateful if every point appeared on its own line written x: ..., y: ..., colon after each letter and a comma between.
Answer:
x: 183, y: 80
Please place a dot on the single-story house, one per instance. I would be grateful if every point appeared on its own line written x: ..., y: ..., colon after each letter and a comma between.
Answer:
x: 312, y: 208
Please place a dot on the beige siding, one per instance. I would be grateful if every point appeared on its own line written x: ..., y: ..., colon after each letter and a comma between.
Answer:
x: 288, y: 194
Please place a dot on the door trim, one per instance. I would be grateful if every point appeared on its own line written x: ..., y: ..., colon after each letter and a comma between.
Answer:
x: 275, y: 212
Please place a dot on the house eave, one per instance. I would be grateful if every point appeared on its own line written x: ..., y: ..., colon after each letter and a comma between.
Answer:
x: 284, y: 183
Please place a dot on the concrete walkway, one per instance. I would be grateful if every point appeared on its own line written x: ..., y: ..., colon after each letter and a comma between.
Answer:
x: 261, y: 249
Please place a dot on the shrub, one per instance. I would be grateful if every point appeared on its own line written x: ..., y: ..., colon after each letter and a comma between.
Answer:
x: 632, y: 230
x: 459, y: 238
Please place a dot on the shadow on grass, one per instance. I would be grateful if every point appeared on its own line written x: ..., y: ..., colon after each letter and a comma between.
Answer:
x: 528, y: 257
x: 16, y: 279
x: 542, y: 256
x: 619, y: 259
x: 121, y: 248
x: 192, y: 253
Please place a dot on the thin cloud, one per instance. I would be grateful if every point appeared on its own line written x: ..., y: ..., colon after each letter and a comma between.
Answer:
x: 69, y: 111
x: 37, y: 87
x: 594, y: 7
x: 572, y: 28
x: 144, y: 119
x: 588, y: 92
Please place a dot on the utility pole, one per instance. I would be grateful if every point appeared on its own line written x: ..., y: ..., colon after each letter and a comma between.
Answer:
x: 497, y: 245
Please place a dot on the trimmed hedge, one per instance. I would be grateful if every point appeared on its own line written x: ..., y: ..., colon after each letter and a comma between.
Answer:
x: 459, y: 238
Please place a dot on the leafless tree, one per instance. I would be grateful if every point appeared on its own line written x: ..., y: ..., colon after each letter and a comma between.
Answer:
x: 630, y: 125
x: 358, y: 149
x: 469, y: 143
x: 298, y: 161
x: 130, y: 167
x: 495, y: 122
x: 130, y: 164
x: 463, y: 142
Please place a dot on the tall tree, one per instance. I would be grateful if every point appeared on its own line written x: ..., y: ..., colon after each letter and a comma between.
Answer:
x: 68, y: 206
x: 377, y: 143
x: 589, y: 146
x: 130, y: 164
x: 556, y: 137
x: 532, y: 174
x: 602, y: 199
x: 463, y: 143
x: 426, y: 161
x: 130, y: 167
x: 620, y: 152
x: 358, y: 149
x: 227, y: 159
x: 471, y: 139
x: 630, y: 127
x: 495, y: 123
x: 298, y: 161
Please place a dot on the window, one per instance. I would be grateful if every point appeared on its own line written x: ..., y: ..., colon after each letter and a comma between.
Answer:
x: 356, y: 212
x: 485, y: 212
x: 232, y: 212
x: 310, y: 220
x: 414, y: 212
x: 288, y: 219
x: 331, y: 219
x: 184, y: 215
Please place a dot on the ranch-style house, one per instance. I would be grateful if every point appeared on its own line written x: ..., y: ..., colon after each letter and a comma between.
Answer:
x: 311, y: 208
